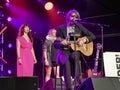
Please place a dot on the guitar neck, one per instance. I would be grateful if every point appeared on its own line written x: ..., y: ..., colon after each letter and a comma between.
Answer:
x: 96, y: 63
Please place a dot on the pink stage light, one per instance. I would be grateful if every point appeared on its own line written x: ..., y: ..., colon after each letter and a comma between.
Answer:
x: 9, y: 19
x: 7, y: 1
x: 9, y: 72
x: 10, y: 45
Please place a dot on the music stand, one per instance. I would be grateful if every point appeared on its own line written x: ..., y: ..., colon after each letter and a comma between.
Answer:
x: 102, y: 42
x: 74, y: 37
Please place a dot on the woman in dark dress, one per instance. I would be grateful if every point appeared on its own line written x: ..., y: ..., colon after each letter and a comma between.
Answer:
x: 50, y: 55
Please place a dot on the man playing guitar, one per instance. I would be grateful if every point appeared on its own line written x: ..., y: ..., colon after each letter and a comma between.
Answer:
x: 72, y: 30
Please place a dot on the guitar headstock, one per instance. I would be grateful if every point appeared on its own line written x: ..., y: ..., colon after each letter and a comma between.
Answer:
x: 98, y: 46
x: 49, y: 37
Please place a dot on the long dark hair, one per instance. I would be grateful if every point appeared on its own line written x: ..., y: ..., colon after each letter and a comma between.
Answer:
x: 21, y: 31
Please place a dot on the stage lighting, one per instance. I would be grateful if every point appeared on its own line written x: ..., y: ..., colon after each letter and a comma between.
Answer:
x: 48, y: 5
x: 9, y: 19
x: 1, y: 7
x: 9, y: 72
x: 10, y: 45
x: 7, y: 1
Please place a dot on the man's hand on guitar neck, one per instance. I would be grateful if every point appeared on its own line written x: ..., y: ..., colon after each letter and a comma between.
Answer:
x: 80, y: 41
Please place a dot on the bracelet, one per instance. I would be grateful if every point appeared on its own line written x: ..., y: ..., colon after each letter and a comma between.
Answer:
x: 19, y: 58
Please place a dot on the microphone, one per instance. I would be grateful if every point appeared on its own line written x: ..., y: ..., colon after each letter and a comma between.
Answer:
x: 30, y: 30
x: 61, y: 13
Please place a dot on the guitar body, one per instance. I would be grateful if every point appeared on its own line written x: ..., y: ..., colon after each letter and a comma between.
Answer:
x: 86, y: 49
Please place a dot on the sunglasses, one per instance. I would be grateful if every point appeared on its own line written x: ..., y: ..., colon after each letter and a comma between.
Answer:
x: 74, y: 15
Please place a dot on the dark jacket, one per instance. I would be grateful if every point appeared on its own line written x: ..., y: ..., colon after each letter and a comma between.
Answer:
x: 62, y: 33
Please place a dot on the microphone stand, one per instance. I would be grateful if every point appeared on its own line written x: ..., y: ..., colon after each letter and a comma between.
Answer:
x: 102, y: 42
x: 75, y: 78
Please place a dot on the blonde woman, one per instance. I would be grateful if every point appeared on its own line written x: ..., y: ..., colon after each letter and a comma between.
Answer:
x: 50, y: 55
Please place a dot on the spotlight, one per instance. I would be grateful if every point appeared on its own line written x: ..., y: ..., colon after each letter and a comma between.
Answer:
x: 9, y: 72
x: 9, y: 19
x: 7, y: 1
x: 10, y: 45
x: 48, y: 5
x: 7, y: 4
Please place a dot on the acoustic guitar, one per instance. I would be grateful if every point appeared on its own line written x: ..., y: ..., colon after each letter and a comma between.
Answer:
x: 86, y: 48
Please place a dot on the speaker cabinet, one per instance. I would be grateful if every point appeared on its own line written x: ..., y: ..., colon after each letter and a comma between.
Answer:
x: 18, y: 83
x: 105, y: 83
x: 27, y: 83
x: 54, y: 84
x: 7, y: 83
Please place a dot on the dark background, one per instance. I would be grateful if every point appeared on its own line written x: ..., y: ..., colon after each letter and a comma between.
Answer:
x: 100, y: 12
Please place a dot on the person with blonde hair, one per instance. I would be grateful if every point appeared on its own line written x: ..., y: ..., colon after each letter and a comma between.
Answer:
x: 50, y: 55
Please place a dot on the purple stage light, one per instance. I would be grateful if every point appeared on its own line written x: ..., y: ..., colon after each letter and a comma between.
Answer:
x: 9, y: 72
x: 10, y: 45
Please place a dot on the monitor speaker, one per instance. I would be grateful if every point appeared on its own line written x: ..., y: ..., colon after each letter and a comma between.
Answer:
x: 104, y: 83
x: 7, y: 83
x: 26, y: 83
x: 18, y: 83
